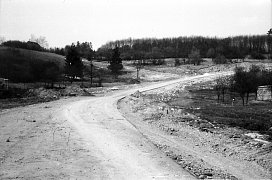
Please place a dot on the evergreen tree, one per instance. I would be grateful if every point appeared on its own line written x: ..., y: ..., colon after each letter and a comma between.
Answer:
x: 73, y: 65
x: 115, y: 62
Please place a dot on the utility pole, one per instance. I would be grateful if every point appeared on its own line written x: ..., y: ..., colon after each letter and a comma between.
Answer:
x: 90, y: 59
x: 138, y: 68
x: 91, y: 73
x: 269, y: 33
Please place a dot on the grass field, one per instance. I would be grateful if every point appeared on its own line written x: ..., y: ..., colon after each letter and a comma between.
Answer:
x: 255, y: 116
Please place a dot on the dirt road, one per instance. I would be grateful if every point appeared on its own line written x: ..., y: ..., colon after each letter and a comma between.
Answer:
x: 125, y: 152
x: 85, y: 138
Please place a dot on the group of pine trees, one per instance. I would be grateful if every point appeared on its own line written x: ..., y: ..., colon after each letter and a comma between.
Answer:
x: 74, y: 65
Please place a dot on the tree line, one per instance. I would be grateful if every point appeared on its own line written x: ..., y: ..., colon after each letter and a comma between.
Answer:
x: 238, y: 47
x: 85, y: 49
x: 23, y: 45
x: 34, y: 43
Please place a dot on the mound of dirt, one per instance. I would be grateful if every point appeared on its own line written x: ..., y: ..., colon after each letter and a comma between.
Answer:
x: 44, y: 93
x: 74, y: 90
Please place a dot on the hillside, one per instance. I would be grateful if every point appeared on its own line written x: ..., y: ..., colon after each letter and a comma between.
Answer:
x: 17, y: 54
x: 21, y: 65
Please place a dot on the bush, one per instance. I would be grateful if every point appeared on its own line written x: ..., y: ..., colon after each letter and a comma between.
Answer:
x: 220, y: 60
x: 256, y: 55
x: 161, y: 62
x: 158, y: 62
x: 116, y: 62
x: 194, y: 57
x: 177, y: 62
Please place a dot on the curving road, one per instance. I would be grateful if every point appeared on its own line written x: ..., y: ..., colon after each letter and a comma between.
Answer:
x: 121, y: 151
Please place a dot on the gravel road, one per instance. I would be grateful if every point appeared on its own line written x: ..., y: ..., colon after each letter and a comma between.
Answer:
x: 82, y: 138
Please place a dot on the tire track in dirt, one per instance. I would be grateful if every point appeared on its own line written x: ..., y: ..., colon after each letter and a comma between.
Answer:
x: 123, y: 151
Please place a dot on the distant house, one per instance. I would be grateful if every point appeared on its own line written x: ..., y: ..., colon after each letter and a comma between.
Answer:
x: 264, y: 93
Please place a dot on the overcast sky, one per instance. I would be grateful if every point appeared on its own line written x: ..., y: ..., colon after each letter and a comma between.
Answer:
x: 98, y: 21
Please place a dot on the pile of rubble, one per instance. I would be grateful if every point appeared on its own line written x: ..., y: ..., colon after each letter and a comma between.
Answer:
x: 50, y: 94
x: 43, y: 93
x: 74, y: 90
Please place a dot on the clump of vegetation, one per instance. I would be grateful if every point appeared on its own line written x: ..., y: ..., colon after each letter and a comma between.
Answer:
x: 177, y: 62
x: 244, y: 82
x: 73, y: 65
x: 23, y: 45
x: 257, y: 55
x: 158, y: 62
x: 220, y: 59
x: 194, y: 57
x: 221, y: 86
x: 115, y: 62
x: 211, y: 53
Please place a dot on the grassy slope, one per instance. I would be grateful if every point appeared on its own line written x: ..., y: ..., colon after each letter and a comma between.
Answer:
x: 18, y: 54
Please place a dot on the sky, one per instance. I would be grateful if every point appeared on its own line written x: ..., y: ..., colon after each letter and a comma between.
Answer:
x: 99, y: 21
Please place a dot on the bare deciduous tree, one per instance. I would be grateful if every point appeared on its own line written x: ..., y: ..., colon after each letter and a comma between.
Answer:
x: 40, y: 40
x: 2, y: 39
x: 221, y: 86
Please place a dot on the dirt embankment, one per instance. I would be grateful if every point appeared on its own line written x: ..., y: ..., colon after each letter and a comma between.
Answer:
x: 204, y: 149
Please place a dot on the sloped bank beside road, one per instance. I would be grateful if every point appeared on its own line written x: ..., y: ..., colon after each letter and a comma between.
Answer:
x: 219, y: 154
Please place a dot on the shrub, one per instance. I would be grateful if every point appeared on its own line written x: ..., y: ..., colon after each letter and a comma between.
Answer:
x: 194, y: 57
x: 177, y: 62
x: 158, y: 61
x: 256, y: 55
x: 220, y: 60
x: 116, y: 62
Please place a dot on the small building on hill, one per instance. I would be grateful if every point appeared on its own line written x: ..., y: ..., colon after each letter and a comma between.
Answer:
x: 264, y: 93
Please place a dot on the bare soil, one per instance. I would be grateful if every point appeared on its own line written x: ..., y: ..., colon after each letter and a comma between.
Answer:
x: 79, y: 138
x: 172, y: 119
